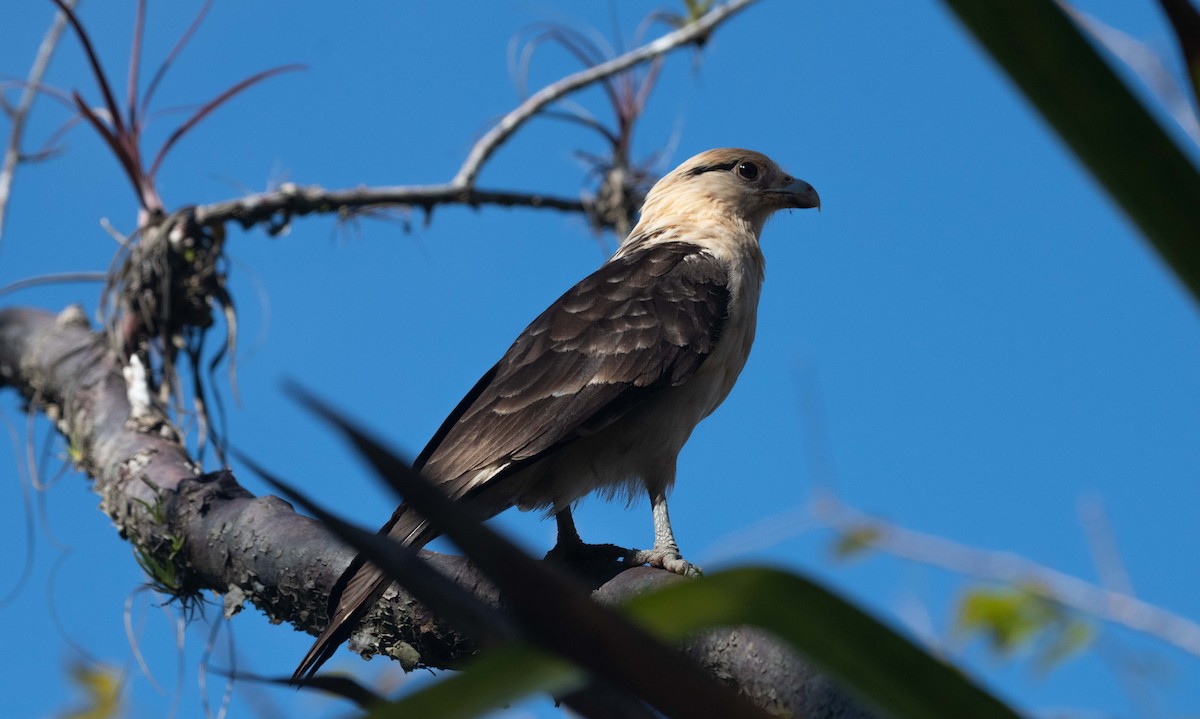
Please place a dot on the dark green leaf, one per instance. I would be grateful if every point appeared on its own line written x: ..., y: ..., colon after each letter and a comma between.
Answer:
x: 860, y: 652
x: 553, y: 611
x: 1099, y: 118
x: 491, y: 681
x: 863, y: 654
x: 482, y: 622
x: 1185, y: 19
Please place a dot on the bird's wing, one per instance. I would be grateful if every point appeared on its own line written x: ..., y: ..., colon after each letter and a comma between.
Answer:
x: 642, y: 322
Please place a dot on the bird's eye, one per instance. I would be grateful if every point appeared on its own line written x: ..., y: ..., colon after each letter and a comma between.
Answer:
x: 748, y: 170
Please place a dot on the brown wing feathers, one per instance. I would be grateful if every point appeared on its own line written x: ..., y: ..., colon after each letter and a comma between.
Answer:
x: 641, y: 322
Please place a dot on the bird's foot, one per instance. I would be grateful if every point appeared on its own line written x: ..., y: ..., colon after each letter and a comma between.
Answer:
x: 667, y: 558
x: 570, y: 549
x: 576, y: 551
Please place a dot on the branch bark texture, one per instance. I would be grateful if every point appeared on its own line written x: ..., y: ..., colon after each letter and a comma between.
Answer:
x: 218, y: 536
x: 280, y: 206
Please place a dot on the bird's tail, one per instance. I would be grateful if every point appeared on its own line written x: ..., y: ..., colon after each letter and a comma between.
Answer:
x: 357, y: 590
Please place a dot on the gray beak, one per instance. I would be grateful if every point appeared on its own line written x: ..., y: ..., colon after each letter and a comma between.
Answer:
x: 798, y: 194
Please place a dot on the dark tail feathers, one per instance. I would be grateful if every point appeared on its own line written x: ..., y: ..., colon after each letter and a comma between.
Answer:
x: 357, y: 590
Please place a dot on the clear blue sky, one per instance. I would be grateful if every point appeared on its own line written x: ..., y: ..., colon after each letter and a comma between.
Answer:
x: 987, y: 338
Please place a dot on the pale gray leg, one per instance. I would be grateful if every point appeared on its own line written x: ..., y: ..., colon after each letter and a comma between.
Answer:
x: 666, y: 552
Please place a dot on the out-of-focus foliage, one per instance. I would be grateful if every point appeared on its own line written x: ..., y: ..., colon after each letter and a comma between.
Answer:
x: 100, y: 686
x: 1102, y: 121
x: 1014, y: 619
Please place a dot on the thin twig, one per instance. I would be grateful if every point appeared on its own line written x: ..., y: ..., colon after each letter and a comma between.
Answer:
x: 209, y: 107
x: 166, y: 64
x: 54, y: 279
x: 1065, y: 589
x: 1146, y: 63
x: 27, y: 505
x: 690, y: 33
x: 12, y: 154
x: 1102, y: 542
x: 277, y: 208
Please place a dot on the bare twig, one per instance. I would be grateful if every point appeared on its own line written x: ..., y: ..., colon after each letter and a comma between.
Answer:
x: 182, y: 43
x: 12, y: 153
x: 27, y: 505
x: 825, y: 510
x: 1146, y: 63
x: 291, y: 200
x: 1070, y: 591
x: 1185, y: 20
x: 691, y: 33
x: 209, y: 107
x: 53, y: 279
x: 278, y: 207
x: 123, y: 132
x: 1103, y: 544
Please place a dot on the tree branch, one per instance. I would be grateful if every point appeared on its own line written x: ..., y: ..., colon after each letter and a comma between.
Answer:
x: 216, y: 535
x: 1070, y: 591
x: 292, y: 201
x: 695, y: 31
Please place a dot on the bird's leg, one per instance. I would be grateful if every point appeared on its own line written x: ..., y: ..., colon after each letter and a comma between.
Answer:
x: 666, y: 552
x: 568, y: 536
x: 570, y: 547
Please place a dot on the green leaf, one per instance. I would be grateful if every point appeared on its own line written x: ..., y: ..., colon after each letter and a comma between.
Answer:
x: 1070, y: 639
x: 855, y: 541
x: 1185, y: 20
x: 857, y: 650
x: 1008, y: 618
x: 861, y: 653
x: 101, y: 687
x: 1016, y: 618
x: 578, y: 638
x: 551, y: 609
x: 492, y: 681
x: 1099, y: 118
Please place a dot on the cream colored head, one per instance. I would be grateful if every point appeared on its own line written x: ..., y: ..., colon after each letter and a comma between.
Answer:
x: 727, y: 185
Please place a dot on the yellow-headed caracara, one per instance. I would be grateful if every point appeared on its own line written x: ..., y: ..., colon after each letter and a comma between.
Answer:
x: 602, y: 390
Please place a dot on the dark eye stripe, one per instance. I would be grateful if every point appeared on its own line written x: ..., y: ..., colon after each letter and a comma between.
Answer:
x: 710, y: 168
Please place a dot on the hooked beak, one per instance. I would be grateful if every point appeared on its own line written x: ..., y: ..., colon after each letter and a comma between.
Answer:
x: 798, y: 194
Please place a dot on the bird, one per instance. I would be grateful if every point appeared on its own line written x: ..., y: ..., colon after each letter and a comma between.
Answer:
x: 601, y: 391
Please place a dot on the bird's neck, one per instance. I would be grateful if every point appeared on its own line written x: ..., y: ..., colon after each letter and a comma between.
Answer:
x: 732, y: 239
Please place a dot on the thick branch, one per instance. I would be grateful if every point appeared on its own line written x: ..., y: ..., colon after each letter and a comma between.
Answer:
x: 258, y: 549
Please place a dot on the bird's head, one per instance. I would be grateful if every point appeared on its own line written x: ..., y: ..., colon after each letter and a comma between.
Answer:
x: 727, y: 183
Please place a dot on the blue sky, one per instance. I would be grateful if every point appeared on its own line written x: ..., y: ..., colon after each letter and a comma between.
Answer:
x: 969, y: 340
